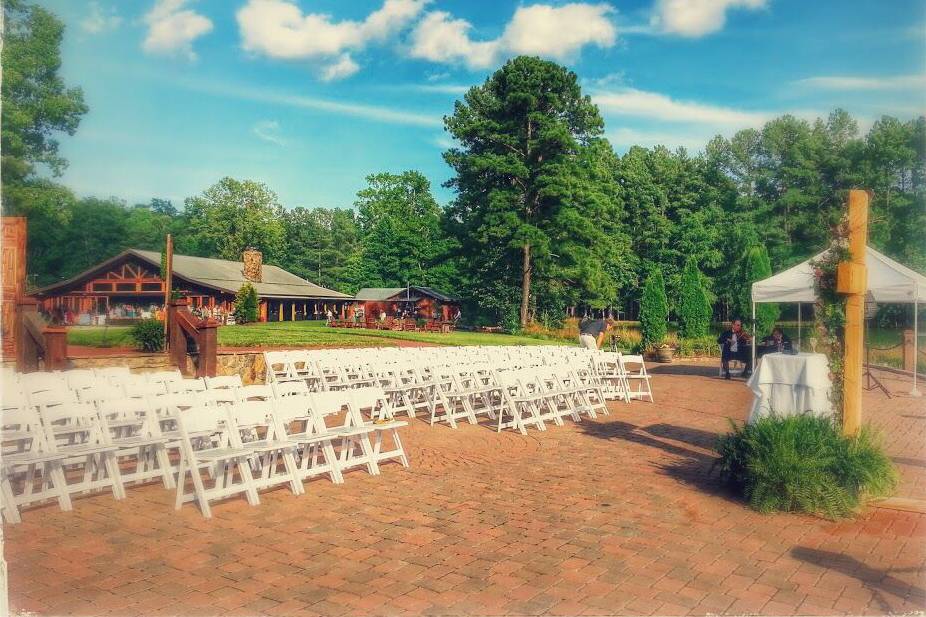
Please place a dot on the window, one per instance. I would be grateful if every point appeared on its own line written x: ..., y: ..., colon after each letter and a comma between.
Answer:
x: 125, y: 286
x: 151, y: 287
x: 102, y: 287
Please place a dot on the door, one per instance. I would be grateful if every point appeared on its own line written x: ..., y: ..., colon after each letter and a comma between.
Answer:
x: 13, y: 278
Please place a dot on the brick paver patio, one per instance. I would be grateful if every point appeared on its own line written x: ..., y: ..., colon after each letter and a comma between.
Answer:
x: 615, y: 516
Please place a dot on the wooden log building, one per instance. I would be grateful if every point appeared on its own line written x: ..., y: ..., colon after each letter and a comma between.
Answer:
x: 132, y: 279
x: 413, y: 301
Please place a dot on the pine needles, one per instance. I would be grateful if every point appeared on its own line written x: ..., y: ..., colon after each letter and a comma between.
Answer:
x: 804, y: 464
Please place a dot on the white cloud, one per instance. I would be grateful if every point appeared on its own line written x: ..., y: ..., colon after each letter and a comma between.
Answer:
x: 343, y: 67
x: 269, y: 131
x: 279, y: 29
x: 697, y: 18
x: 172, y: 29
x: 442, y: 88
x: 99, y: 21
x: 845, y: 82
x: 262, y: 95
x: 693, y: 139
x: 655, y: 106
x: 540, y: 29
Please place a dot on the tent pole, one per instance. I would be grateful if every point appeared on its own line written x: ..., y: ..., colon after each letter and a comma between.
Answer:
x: 752, y: 347
x: 798, y: 326
x: 916, y: 340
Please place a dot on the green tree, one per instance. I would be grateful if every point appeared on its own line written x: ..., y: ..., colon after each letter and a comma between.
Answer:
x: 518, y: 133
x: 757, y: 266
x: 36, y: 102
x: 400, y: 227
x: 246, y: 304
x: 320, y: 243
x: 654, y: 310
x: 230, y: 216
x: 694, y: 309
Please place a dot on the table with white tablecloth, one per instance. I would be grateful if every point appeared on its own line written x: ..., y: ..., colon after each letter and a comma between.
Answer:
x: 790, y: 384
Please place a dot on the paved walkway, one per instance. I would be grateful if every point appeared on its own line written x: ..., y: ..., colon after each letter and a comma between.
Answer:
x: 617, y: 516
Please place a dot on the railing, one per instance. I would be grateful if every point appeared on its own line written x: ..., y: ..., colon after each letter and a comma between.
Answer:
x: 39, y: 345
x: 190, y: 337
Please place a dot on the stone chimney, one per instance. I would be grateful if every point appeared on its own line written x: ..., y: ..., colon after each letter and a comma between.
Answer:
x: 253, y: 264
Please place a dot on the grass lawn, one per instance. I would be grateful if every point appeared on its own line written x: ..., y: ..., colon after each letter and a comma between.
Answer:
x: 100, y: 336
x: 300, y: 333
x: 305, y: 333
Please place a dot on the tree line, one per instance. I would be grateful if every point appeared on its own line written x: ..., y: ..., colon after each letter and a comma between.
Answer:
x: 547, y: 218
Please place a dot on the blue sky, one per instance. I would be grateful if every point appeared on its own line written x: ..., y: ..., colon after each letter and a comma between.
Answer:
x: 310, y: 96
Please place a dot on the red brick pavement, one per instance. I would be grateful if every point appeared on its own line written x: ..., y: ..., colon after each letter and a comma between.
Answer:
x: 615, y: 516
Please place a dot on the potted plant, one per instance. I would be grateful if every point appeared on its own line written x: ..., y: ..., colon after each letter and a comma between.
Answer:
x: 664, y: 352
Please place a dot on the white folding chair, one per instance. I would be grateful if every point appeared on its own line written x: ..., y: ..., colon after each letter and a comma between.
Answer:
x: 253, y: 427
x: 30, y: 471
x: 636, y: 373
x: 520, y: 405
x: 297, y: 422
x: 205, y: 444
x: 284, y: 389
x: 371, y: 398
x: 223, y: 382
x: 75, y: 430
x: 132, y: 425
x: 355, y: 447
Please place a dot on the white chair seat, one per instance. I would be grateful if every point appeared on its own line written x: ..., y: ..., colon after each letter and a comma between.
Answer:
x: 217, y: 454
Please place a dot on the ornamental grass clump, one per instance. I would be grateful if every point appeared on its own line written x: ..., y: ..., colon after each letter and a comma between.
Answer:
x: 804, y: 464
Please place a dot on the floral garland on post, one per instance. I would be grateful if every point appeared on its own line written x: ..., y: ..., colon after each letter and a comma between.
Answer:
x: 830, y: 310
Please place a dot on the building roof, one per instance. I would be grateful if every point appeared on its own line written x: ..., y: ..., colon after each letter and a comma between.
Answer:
x: 219, y: 274
x: 413, y: 292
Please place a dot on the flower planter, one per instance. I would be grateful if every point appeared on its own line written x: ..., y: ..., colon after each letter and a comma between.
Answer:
x: 664, y: 354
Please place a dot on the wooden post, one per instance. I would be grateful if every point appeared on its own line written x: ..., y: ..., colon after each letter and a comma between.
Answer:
x: 168, y: 285
x: 855, y: 310
x: 208, y: 361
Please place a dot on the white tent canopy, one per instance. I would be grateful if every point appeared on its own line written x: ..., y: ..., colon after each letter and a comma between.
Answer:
x: 888, y: 282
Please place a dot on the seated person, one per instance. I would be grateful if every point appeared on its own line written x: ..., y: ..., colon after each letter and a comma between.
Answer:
x: 735, y: 345
x: 776, y: 341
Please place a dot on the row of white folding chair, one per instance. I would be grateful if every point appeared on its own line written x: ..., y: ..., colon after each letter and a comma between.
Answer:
x: 292, y: 430
x: 45, y: 444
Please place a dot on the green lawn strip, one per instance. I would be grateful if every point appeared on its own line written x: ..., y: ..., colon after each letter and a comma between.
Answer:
x: 317, y: 333
x: 100, y: 336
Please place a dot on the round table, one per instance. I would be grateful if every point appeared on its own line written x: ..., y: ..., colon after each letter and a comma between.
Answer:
x: 790, y: 384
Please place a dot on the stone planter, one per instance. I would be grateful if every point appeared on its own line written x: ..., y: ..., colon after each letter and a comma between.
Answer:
x: 664, y: 354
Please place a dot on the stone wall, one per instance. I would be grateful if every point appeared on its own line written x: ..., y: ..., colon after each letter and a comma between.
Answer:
x: 250, y: 365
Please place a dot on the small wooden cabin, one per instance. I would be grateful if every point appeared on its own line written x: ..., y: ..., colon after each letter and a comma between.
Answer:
x: 412, y: 302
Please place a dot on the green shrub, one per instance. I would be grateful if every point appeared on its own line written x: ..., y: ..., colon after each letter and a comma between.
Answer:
x: 700, y: 346
x: 148, y: 335
x: 694, y: 308
x: 246, y: 304
x: 804, y: 464
x: 654, y: 310
x: 757, y: 266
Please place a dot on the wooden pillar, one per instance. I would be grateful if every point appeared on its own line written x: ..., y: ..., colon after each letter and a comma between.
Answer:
x: 280, y: 311
x: 168, y: 283
x: 263, y: 310
x: 56, y: 348
x: 176, y: 339
x: 208, y: 346
x: 853, y: 281
x: 292, y: 311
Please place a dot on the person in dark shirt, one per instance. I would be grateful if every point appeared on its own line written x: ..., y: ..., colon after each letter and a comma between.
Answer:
x: 735, y: 345
x: 591, y: 332
x: 776, y: 341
